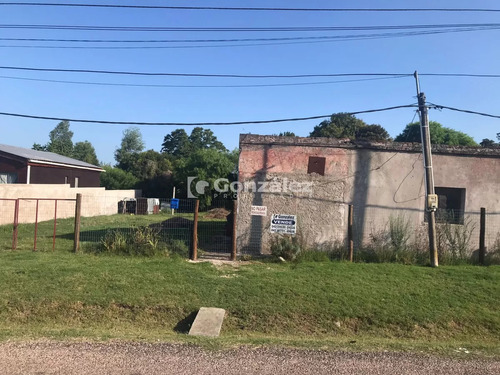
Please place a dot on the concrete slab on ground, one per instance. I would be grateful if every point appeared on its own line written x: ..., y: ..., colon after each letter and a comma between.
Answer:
x: 208, y: 322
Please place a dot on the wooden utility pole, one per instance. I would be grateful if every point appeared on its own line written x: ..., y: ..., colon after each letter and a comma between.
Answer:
x: 431, y: 199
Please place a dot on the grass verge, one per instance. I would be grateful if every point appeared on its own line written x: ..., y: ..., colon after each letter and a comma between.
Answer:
x: 332, y: 304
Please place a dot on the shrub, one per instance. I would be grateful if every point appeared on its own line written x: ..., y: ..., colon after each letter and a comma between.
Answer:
x: 399, y: 232
x: 493, y: 255
x: 457, y: 238
x: 287, y: 247
x: 142, y: 241
x: 178, y: 247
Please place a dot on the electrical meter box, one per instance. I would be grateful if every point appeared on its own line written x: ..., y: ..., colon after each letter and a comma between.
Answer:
x: 432, y: 202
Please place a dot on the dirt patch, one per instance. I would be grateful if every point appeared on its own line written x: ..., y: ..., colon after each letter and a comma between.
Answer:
x: 217, y: 213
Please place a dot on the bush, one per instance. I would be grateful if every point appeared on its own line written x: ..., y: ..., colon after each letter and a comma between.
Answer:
x: 141, y: 241
x: 286, y: 247
x: 493, y: 255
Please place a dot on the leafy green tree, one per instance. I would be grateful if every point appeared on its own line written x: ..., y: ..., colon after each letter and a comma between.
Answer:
x: 440, y: 135
x: 345, y: 125
x: 487, y: 143
x: 85, y: 152
x: 286, y: 134
x: 204, y: 139
x: 60, y: 140
x: 176, y: 143
x: 372, y: 133
x: 117, y: 179
x: 39, y: 147
x: 179, y: 144
x: 207, y: 165
x: 131, y: 144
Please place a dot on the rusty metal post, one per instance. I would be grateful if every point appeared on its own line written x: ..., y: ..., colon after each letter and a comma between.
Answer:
x: 350, y: 239
x: 55, y: 226
x: 194, y: 252
x: 36, y: 224
x: 235, y: 215
x: 16, y: 225
x: 482, y: 235
x: 78, y: 213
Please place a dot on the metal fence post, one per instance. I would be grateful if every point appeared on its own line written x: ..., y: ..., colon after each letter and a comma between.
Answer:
x: 78, y: 212
x: 194, y: 252
x: 233, y: 244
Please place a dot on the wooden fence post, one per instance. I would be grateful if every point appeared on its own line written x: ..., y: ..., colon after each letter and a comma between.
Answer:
x: 194, y: 252
x: 78, y: 213
x: 350, y: 240
x: 482, y: 234
x: 233, y: 244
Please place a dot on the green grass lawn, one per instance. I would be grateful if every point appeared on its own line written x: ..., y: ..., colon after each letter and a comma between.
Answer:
x: 330, y: 304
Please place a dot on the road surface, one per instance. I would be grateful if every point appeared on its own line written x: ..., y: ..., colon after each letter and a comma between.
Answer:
x: 44, y: 358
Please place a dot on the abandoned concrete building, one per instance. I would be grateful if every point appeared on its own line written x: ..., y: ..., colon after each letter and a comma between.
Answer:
x: 303, y: 186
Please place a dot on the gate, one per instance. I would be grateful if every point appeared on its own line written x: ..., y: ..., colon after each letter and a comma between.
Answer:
x: 27, y: 216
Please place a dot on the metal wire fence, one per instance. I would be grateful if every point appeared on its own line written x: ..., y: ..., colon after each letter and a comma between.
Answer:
x: 48, y: 224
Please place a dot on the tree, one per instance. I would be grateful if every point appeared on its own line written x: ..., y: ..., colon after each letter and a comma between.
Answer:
x: 372, y: 133
x: 204, y: 139
x: 205, y: 165
x: 131, y: 144
x: 176, y: 143
x: 85, y: 152
x: 117, y: 179
x: 345, y: 125
x: 179, y: 144
x: 39, y: 147
x: 286, y: 134
x: 488, y: 143
x: 60, y: 140
x: 440, y: 135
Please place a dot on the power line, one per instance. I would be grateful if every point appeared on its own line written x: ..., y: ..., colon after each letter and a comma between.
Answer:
x: 294, y: 38
x: 80, y: 5
x: 244, y: 42
x: 440, y: 107
x: 245, y: 29
x: 198, y: 86
x: 199, y: 123
x: 199, y: 74
x: 207, y: 75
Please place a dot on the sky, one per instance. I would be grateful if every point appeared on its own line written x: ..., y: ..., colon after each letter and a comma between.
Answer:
x: 23, y: 92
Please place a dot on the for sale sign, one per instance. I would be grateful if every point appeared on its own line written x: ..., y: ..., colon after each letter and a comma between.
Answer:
x: 284, y: 224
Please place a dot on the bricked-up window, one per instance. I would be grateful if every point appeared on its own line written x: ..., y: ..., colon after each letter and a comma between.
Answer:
x: 316, y: 165
x: 451, y: 205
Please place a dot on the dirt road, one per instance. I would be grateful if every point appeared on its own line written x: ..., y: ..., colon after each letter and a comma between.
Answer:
x: 43, y: 358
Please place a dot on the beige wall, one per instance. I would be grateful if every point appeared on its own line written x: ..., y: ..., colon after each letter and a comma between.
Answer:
x: 379, y: 181
x: 95, y: 201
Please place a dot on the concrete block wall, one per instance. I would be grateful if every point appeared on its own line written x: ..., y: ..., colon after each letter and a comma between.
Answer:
x: 95, y: 201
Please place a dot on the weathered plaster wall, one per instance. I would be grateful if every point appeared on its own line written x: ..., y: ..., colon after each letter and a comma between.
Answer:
x: 380, y: 180
x: 95, y: 201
